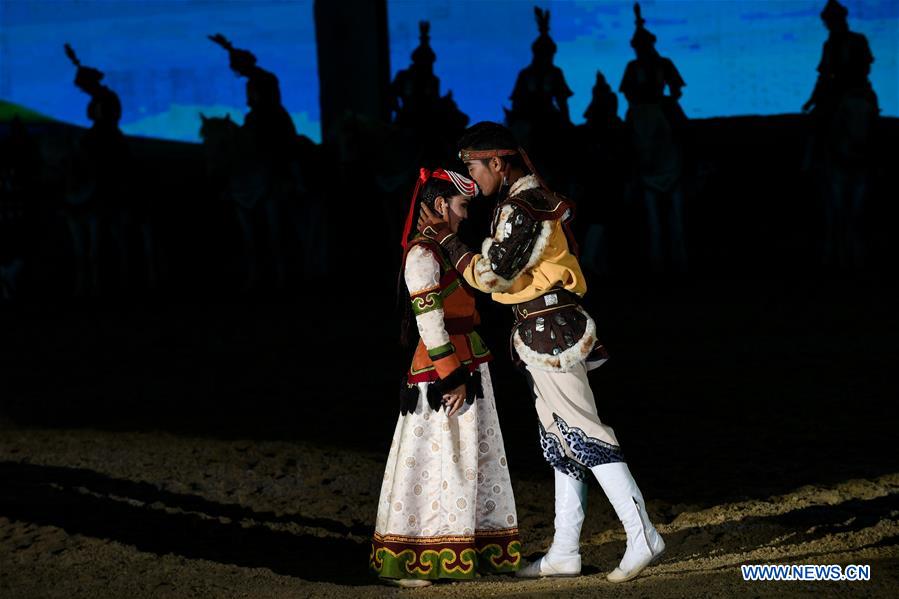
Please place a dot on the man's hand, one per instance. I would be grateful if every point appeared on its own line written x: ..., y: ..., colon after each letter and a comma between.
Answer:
x: 454, y: 400
x: 427, y: 217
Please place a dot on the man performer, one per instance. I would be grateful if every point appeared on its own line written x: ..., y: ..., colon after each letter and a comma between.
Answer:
x: 528, y: 263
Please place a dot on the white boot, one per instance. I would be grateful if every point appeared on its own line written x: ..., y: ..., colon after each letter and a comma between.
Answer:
x: 644, y: 543
x: 563, y: 557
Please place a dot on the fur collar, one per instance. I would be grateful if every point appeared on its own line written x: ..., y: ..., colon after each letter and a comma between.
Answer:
x: 523, y: 184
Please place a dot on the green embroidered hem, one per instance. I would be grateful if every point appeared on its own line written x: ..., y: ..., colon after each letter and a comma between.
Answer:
x: 457, y: 558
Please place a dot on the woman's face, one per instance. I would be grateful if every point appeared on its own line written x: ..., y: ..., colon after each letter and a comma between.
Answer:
x: 454, y: 210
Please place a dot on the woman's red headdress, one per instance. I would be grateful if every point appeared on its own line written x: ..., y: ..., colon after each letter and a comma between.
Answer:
x: 466, y: 187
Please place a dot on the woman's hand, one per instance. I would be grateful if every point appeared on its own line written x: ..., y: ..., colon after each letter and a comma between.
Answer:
x: 454, y: 400
x: 427, y: 217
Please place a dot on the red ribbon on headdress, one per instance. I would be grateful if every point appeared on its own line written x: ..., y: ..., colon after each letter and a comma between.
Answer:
x: 423, y: 176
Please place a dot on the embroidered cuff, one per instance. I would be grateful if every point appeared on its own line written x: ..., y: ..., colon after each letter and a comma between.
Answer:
x: 443, y: 351
x: 426, y: 300
x: 446, y: 366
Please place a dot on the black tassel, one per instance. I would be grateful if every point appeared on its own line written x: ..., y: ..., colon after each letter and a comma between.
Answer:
x: 474, y: 388
x: 435, y: 396
x: 408, y: 397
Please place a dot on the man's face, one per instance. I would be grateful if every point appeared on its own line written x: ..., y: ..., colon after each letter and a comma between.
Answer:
x: 454, y: 210
x: 487, y: 174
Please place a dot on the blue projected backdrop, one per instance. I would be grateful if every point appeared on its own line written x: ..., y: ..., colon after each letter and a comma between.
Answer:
x: 737, y: 57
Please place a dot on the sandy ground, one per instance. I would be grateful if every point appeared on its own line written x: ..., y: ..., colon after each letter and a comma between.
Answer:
x: 99, y: 514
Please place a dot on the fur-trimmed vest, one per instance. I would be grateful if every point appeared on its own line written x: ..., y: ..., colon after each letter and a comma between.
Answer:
x: 444, y: 308
x: 552, y: 331
x: 530, y: 218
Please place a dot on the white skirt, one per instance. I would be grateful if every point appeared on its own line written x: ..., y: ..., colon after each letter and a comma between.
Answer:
x: 447, y: 509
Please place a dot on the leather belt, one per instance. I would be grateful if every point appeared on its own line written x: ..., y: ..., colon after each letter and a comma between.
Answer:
x: 551, y: 301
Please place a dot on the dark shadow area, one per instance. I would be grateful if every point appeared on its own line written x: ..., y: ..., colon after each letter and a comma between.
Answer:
x: 68, y: 498
x: 809, y: 524
x: 149, y: 493
x: 817, y: 522
x: 718, y: 390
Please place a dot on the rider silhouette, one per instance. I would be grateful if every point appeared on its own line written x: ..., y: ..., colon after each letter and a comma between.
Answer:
x: 655, y: 122
x: 845, y: 64
x: 541, y: 94
x: 269, y: 124
x: 646, y: 77
x: 844, y: 111
x: 602, y: 113
x: 97, y: 180
x: 419, y: 107
x: 415, y: 90
x: 104, y: 109
x: 104, y: 146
